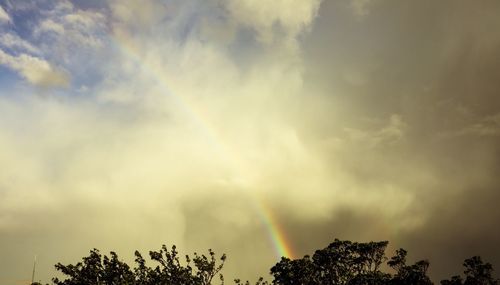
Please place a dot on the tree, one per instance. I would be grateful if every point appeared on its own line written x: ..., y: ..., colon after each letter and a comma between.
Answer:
x: 103, y: 270
x: 415, y: 274
x: 476, y: 273
x: 96, y: 269
x: 295, y: 272
x: 455, y: 280
x: 342, y: 262
x: 261, y: 281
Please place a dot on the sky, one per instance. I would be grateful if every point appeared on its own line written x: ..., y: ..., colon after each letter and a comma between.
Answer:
x: 255, y: 128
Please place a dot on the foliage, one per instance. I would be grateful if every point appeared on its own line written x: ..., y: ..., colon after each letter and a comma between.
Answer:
x: 476, y: 273
x: 340, y: 263
x: 98, y: 269
x: 415, y: 274
x: 350, y: 263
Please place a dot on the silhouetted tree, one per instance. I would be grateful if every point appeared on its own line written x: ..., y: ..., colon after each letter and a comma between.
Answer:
x: 476, y: 273
x: 415, y: 274
x: 299, y: 271
x: 455, y: 280
x: 96, y: 269
x: 340, y: 263
x: 103, y: 270
x: 261, y: 281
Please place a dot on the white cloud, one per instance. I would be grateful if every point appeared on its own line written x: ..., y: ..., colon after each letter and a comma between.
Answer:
x: 63, y: 6
x: 4, y: 17
x: 21, y: 5
x: 292, y: 15
x: 35, y: 70
x: 13, y: 41
x: 50, y: 25
x: 70, y: 25
x: 83, y: 19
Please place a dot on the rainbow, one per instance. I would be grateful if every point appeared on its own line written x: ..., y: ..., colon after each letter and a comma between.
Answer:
x: 282, y: 246
x: 276, y: 234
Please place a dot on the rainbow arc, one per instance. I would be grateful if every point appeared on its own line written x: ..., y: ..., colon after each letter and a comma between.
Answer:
x: 282, y: 246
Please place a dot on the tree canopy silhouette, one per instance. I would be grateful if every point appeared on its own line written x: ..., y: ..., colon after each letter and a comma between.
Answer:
x: 340, y: 263
x: 103, y: 270
x: 476, y: 273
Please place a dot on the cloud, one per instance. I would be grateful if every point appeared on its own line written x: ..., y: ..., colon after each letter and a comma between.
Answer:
x: 444, y: 155
x: 35, y: 70
x: 13, y: 41
x: 83, y: 19
x: 387, y: 135
x: 4, y: 16
x: 20, y: 5
x: 63, y: 6
x: 191, y: 130
x: 68, y: 25
x: 337, y: 127
x: 360, y: 8
x: 141, y: 14
x: 488, y: 126
x: 50, y: 25
x: 293, y: 16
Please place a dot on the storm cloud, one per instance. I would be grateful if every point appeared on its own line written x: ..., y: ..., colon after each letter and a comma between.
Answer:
x: 166, y: 121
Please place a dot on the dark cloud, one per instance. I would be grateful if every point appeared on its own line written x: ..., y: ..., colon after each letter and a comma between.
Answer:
x: 437, y: 66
